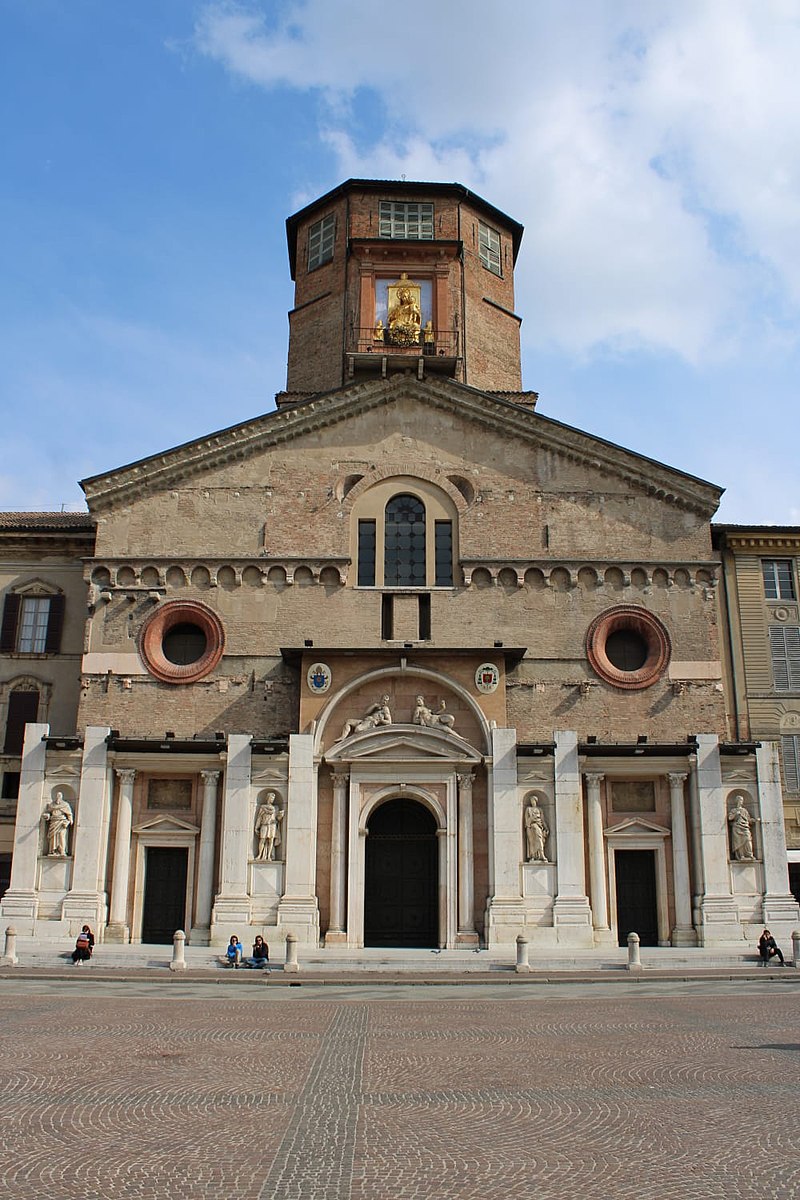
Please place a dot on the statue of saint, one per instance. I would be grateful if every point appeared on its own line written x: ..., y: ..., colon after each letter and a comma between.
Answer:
x: 378, y: 331
x: 431, y: 720
x: 536, y: 832
x: 741, y: 824
x: 268, y: 818
x: 376, y: 714
x: 58, y: 818
x: 405, y: 319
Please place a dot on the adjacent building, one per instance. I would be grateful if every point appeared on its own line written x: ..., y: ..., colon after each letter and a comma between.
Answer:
x: 402, y: 662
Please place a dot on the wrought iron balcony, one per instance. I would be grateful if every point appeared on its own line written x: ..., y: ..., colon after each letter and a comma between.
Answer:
x: 374, y: 351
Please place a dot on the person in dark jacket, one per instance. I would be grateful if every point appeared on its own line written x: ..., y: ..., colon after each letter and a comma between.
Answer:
x: 260, y: 955
x: 83, y: 946
x: 768, y: 948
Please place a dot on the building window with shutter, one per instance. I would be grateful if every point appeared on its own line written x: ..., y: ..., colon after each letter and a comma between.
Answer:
x: 790, y: 753
x: 784, y: 644
x: 489, y: 248
x: 778, y: 578
x: 23, y: 709
x: 32, y: 624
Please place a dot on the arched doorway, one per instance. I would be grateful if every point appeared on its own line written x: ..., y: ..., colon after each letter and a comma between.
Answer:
x: 401, y: 876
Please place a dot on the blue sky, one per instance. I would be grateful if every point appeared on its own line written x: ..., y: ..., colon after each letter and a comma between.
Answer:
x: 152, y: 150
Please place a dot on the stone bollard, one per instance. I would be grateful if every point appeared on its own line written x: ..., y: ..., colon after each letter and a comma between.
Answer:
x: 523, y: 966
x: 291, y: 964
x: 634, y: 961
x: 178, y: 960
x: 796, y: 948
x: 9, y: 958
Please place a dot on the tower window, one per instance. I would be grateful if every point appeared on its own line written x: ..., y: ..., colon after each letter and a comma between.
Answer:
x: 778, y: 581
x: 321, y: 237
x: 489, y: 248
x: 404, y: 542
x: 405, y: 220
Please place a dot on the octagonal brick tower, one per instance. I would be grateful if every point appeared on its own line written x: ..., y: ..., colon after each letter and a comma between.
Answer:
x: 353, y: 248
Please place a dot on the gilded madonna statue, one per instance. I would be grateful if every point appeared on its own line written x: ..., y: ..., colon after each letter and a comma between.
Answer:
x: 404, y: 321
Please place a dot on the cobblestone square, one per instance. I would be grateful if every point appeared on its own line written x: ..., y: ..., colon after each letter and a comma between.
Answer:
x: 376, y: 1094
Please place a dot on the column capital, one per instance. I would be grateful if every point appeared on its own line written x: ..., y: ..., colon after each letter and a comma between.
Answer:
x: 125, y: 774
x: 210, y: 777
x: 677, y: 778
x: 465, y: 780
x: 593, y: 778
x: 340, y: 778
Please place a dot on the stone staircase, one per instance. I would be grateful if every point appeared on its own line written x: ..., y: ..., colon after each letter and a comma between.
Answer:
x: 338, y: 962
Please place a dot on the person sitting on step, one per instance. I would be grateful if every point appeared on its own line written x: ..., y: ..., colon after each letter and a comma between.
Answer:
x: 768, y: 948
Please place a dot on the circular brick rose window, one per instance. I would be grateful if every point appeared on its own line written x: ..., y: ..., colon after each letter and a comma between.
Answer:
x: 182, y: 641
x: 628, y: 647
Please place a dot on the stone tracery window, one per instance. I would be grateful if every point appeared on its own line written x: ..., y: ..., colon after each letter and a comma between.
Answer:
x: 404, y: 542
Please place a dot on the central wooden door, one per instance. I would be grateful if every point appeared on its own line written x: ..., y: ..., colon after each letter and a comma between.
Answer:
x: 401, y: 876
x: 164, y: 908
x: 637, y: 903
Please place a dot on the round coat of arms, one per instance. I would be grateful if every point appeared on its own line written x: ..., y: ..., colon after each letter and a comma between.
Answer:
x: 487, y: 678
x: 319, y: 677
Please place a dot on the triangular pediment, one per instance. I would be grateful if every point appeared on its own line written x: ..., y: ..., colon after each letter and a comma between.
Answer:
x: 415, y: 402
x: 166, y: 824
x: 414, y: 744
x: 634, y: 827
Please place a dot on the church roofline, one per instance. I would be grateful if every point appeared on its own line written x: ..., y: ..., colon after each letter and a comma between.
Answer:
x: 399, y: 187
x: 322, y: 409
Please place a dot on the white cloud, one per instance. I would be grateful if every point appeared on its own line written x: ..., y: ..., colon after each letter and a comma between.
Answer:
x: 650, y: 150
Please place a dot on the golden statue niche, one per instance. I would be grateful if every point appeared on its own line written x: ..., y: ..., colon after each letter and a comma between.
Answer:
x: 404, y: 321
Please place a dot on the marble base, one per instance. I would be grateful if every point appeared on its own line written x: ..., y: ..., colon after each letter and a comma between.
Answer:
x: 117, y: 935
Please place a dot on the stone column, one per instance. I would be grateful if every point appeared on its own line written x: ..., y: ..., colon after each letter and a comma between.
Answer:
x: 118, y: 930
x: 571, y: 913
x: 779, y: 906
x: 719, y: 915
x: 466, y: 917
x: 20, y: 902
x: 337, y: 934
x: 232, y: 904
x: 86, y: 901
x: 597, y: 863
x: 505, y: 912
x: 201, y: 932
x: 298, y: 910
x: 683, y: 934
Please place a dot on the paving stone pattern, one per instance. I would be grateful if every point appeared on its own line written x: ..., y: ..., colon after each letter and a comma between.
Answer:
x: 272, y: 1096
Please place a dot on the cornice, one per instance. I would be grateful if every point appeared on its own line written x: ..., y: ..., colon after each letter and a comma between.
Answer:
x: 493, y: 413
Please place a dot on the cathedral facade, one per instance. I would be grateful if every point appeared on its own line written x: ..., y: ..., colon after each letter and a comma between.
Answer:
x: 400, y: 663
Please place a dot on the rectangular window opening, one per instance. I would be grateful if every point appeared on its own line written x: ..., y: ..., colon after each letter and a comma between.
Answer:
x: 366, y: 553
x: 443, y: 546
x: 23, y: 709
x: 489, y: 248
x: 784, y: 644
x: 405, y: 220
x: 424, y: 618
x: 10, y: 789
x: 387, y: 618
x: 778, y: 578
x: 790, y: 754
x: 321, y: 238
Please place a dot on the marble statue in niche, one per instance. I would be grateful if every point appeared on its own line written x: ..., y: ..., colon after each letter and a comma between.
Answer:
x: 267, y: 828
x: 741, y: 824
x: 536, y: 832
x: 58, y: 818
x: 376, y: 714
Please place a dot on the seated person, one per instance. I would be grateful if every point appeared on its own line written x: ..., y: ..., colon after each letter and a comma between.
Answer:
x: 768, y: 948
x: 234, y: 951
x: 260, y: 955
x: 83, y: 946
